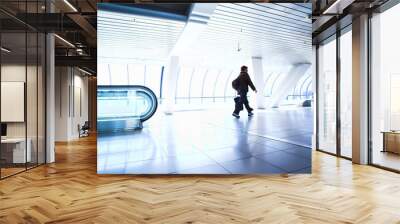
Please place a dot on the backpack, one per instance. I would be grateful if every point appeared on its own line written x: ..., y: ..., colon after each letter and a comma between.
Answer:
x: 235, y: 84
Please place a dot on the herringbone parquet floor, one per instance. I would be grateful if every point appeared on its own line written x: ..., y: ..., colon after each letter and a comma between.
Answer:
x: 70, y: 191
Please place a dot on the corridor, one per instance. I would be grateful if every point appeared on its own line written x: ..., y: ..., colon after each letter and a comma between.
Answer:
x: 212, y: 142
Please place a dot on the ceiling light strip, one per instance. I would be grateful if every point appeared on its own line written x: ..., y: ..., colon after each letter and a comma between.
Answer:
x: 70, y: 5
x: 64, y: 40
x: 5, y: 50
x: 84, y: 71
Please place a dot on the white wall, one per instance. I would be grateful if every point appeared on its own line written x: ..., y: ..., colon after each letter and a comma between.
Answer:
x: 34, y: 125
x: 71, y: 102
x: 16, y: 73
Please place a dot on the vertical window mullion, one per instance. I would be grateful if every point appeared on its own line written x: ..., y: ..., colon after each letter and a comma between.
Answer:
x: 338, y: 81
x: 369, y: 81
x: 26, y: 86
x: 37, y: 92
x: 317, y: 96
x: 202, y: 86
x: 0, y: 91
x: 190, y: 83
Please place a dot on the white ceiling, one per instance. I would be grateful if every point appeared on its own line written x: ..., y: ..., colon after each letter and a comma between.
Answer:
x: 133, y: 37
x: 279, y: 33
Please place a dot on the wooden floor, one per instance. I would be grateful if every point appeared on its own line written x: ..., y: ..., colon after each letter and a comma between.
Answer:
x: 70, y: 191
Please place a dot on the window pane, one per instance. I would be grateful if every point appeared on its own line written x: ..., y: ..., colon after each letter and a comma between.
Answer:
x: 118, y: 74
x: 221, y: 83
x: 136, y: 74
x: 327, y: 97
x: 268, y: 84
x: 183, y: 86
x: 197, y: 82
x: 103, y: 74
x: 385, y: 86
x: 229, y: 91
x: 209, y: 83
x: 153, y: 77
x: 346, y: 93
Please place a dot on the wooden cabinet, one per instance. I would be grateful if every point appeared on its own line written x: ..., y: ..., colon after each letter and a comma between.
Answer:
x: 391, y: 142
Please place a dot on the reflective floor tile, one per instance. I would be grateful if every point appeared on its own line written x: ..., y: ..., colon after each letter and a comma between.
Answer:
x: 210, y: 169
x: 251, y: 166
x: 228, y: 154
x: 169, y: 164
x: 285, y: 161
x: 301, y: 151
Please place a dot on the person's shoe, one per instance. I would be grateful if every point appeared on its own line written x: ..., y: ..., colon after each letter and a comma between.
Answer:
x: 250, y: 114
x: 235, y: 115
x: 251, y: 110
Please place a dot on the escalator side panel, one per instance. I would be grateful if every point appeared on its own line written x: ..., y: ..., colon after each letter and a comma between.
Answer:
x: 122, y: 108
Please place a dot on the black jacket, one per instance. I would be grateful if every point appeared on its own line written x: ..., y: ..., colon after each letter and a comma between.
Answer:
x: 245, y: 82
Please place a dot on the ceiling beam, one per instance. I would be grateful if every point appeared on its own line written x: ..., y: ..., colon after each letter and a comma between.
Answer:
x: 86, y: 26
x: 81, y: 61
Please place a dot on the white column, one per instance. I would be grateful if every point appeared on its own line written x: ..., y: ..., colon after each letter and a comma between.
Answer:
x: 289, y: 81
x: 360, y: 90
x: 50, y: 98
x: 259, y: 81
x: 170, y: 78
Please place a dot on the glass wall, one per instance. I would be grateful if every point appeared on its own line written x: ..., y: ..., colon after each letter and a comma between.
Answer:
x: 22, y: 92
x: 204, y: 85
x: 385, y: 88
x: 327, y: 95
x: 346, y: 92
x: 193, y: 84
x: 13, y: 123
x: 302, y: 91
x: 197, y: 85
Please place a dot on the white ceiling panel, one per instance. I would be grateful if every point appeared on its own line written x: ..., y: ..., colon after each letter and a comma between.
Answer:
x: 135, y: 37
x: 278, y: 32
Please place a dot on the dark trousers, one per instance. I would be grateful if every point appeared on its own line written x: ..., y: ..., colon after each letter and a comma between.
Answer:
x: 242, y: 100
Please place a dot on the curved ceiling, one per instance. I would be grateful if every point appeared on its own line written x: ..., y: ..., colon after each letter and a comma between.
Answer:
x: 280, y: 33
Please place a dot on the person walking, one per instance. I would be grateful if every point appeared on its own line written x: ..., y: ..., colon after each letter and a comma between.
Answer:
x: 241, y: 85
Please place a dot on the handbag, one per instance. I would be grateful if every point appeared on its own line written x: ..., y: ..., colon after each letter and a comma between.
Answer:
x: 238, y: 103
x: 237, y: 99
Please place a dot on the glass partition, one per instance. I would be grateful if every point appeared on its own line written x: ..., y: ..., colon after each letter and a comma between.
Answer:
x: 385, y: 85
x: 32, y: 98
x: 15, y: 149
x: 327, y: 96
x: 346, y: 93
x: 22, y: 91
x: 41, y: 97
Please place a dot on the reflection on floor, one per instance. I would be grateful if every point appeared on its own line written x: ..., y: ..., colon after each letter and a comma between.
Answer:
x: 212, y: 142
x: 386, y: 159
x: 8, y: 171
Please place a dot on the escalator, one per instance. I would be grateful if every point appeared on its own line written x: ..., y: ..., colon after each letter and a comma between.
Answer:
x: 124, y: 108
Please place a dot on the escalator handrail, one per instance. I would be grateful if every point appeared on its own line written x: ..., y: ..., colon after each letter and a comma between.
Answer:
x: 138, y: 87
